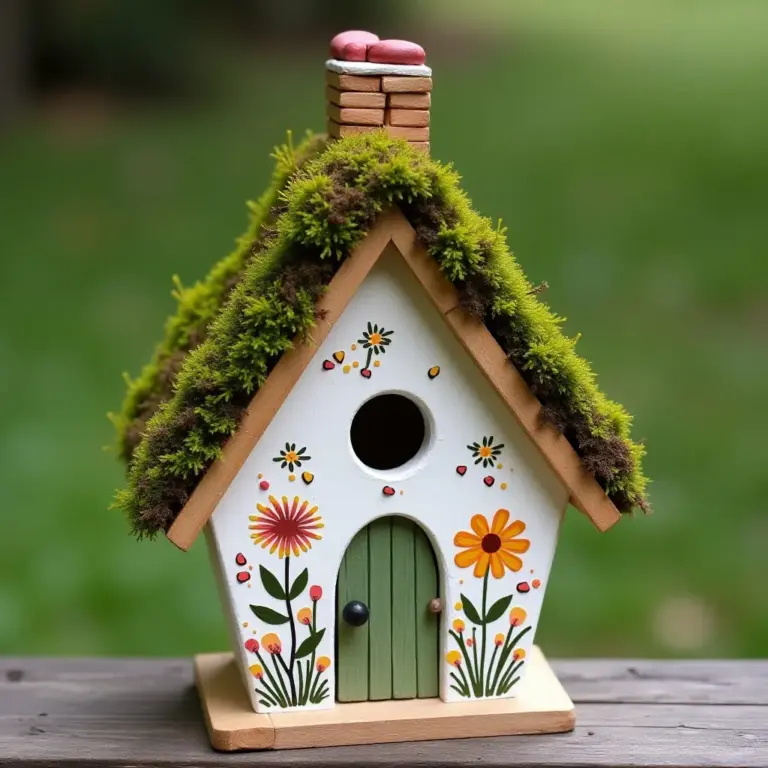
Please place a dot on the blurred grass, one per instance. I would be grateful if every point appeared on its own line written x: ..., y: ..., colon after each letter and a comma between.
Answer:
x: 625, y: 149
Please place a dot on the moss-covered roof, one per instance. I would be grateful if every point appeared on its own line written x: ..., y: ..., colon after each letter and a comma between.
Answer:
x: 231, y: 328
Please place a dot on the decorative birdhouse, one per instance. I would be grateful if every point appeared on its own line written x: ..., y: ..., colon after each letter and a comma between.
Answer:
x: 379, y: 426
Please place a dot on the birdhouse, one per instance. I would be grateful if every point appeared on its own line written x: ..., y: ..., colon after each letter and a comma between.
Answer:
x: 378, y: 426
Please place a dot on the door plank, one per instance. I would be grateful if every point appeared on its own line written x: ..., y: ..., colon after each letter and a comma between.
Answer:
x: 403, y: 610
x: 427, y: 623
x: 352, y: 642
x: 380, y: 595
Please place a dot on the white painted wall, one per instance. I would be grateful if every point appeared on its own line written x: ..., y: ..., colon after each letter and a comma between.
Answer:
x: 462, y: 408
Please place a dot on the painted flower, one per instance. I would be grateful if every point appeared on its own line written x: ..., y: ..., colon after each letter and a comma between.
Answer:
x: 252, y: 645
x: 323, y: 663
x: 453, y: 658
x: 517, y: 616
x: 315, y: 592
x: 518, y: 654
x: 487, y: 452
x: 491, y: 546
x: 305, y: 616
x: 290, y: 457
x: 256, y: 670
x: 375, y: 340
x: 272, y: 643
x: 470, y: 642
x: 287, y: 527
x: 458, y: 625
x: 498, y: 640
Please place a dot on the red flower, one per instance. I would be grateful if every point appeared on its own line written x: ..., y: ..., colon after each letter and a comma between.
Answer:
x: 287, y: 528
x: 252, y: 645
x: 315, y: 592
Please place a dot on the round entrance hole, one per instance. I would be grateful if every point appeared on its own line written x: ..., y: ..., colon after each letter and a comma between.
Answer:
x: 388, y: 431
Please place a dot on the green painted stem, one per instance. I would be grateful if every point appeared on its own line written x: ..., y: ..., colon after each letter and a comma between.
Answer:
x: 460, y: 641
x: 368, y: 360
x: 268, y: 698
x: 488, y: 686
x: 478, y: 682
x: 310, y: 665
x: 289, y: 671
x: 481, y: 674
x: 275, y: 657
x: 275, y: 686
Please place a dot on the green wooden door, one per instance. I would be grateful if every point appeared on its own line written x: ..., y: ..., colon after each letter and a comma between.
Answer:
x: 391, y: 568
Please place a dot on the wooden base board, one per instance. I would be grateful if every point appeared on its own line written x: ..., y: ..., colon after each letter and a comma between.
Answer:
x: 541, y: 706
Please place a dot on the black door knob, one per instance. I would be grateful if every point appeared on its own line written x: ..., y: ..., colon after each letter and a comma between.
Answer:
x: 355, y: 613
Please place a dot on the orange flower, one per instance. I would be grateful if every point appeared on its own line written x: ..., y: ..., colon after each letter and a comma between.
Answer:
x: 257, y: 671
x: 517, y: 616
x: 518, y: 654
x: 304, y: 616
x: 499, y: 640
x: 458, y: 625
x: 470, y: 642
x: 491, y: 546
x: 323, y: 663
x: 272, y: 643
x: 287, y: 526
x: 453, y: 658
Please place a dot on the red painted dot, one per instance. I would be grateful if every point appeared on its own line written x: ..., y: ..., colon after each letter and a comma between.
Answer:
x: 388, y: 490
x: 240, y: 559
x: 536, y: 583
x: 523, y: 587
x: 264, y: 485
x: 243, y: 576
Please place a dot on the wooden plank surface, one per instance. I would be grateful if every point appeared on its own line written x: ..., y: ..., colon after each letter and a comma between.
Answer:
x: 427, y: 623
x: 352, y: 642
x: 380, y: 604
x: 145, y: 712
x: 403, y: 609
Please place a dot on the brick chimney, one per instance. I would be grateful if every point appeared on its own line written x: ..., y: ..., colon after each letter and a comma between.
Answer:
x: 374, y: 84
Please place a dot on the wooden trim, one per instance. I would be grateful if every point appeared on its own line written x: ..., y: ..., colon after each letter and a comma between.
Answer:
x: 268, y: 400
x: 541, y: 706
x: 586, y: 495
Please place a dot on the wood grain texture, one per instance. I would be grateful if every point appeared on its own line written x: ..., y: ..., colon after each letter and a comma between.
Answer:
x: 409, y: 100
x: 403, y: 609
x: 353, y: 82
x: 359, y: 99
x: 355, y: 116
x: 427, y: 623
x: 145, y: 712
x: 352, y: 657
x: 380, y: 604
x: 268, y: 400
x: 393, y: 84
x: 415, y: 118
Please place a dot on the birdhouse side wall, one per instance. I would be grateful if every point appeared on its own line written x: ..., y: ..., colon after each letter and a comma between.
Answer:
x: 478, y: 487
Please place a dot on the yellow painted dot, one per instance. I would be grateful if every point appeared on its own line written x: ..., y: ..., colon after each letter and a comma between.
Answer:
x: 461, y: 581
x: 249, y: 586
x: 347, y: 369
x: 250, y: 567
x: 503, y: 486
x: 255, y: 631
x: 376, y: 363
x: 402, y: 492
x: 458, y: 606
x: 260, y: 475
x: 353, y: 347
x: 291, y: 477
x: 500, y: 465
x: 245, y: 623
x: 355, y: 364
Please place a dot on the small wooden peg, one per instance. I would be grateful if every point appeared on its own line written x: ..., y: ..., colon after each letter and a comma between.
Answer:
x: 435, y: 605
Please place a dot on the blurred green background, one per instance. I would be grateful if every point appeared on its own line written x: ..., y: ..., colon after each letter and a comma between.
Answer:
x: 625, y: 146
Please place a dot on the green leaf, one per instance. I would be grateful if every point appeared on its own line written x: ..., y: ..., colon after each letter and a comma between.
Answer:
x: 310, y: 644
x: 268, y: 616
x: 299, y: 585
x: 470, y: 611
x: 271, y: 584
x: 496, y: 611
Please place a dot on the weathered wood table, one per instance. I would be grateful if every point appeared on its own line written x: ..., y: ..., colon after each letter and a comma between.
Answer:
x: 145, y: 713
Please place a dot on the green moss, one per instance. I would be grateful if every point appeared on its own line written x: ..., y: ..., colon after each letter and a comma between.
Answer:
x: 326, y: 208
x: 199, y: 304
